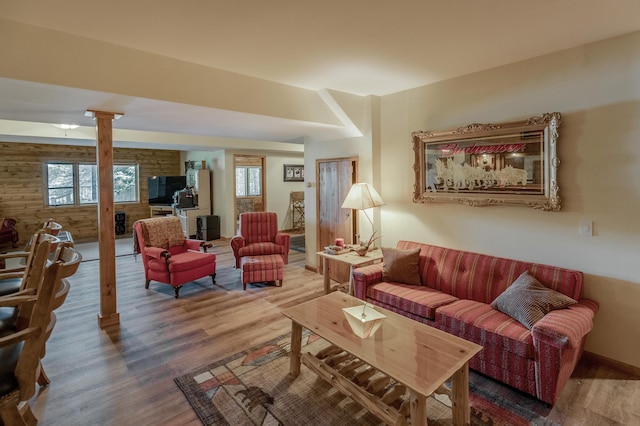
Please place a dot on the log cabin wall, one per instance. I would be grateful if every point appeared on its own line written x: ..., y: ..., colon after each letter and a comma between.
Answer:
x: 23, y: 186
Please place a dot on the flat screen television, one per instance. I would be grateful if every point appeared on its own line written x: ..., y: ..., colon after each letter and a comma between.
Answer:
x: 161, y: 189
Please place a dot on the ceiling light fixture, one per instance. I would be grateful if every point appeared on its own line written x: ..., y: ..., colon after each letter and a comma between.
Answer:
x: 66, y: 126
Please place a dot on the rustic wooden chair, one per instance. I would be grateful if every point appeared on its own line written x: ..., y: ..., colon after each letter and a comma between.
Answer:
x: 14, y: 277
x: 24, y: 319
x: 71, y: 260
x: 51, y: 227
x: 22, y: 346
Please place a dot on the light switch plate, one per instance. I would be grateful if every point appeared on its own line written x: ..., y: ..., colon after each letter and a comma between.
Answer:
x: 586, y: 228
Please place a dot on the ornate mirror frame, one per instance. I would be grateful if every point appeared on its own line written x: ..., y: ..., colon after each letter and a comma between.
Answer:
x: 512, y: 163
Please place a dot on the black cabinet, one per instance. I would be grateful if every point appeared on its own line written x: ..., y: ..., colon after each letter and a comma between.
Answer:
x: 208, y: 228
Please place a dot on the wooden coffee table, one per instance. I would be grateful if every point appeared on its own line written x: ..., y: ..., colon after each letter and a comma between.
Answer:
x: 410, y: 353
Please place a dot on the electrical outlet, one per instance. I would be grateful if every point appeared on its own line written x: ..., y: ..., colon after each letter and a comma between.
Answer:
x: 586, y: 228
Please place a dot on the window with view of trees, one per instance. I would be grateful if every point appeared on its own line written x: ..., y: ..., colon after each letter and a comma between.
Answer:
x: 248, y: 181
x: 77, y: 183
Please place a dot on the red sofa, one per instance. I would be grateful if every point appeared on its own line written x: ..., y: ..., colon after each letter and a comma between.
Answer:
x: 454, y: 292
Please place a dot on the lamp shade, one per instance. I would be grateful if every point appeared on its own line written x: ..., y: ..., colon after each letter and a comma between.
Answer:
x: 363, y: 320
x: 362, y: 196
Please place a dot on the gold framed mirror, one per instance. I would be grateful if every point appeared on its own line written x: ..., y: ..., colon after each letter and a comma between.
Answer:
x: 513, y: 163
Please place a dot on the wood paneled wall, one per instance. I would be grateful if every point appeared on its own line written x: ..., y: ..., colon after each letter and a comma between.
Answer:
x: 23, y: 186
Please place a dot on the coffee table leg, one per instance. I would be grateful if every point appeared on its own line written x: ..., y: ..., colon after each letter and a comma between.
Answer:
x: 460, y: 396
x: 296, y: 345
x: 418, y: 409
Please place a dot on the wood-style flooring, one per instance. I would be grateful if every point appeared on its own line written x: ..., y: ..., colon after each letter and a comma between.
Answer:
x: 124, y: 375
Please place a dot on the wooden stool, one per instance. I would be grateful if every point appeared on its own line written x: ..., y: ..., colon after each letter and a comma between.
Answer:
x: 258, y: 269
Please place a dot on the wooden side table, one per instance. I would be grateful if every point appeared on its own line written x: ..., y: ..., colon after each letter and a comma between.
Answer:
x: 352, y: 259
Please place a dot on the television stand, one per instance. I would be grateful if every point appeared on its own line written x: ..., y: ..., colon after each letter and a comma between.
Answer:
x: 155, y: 211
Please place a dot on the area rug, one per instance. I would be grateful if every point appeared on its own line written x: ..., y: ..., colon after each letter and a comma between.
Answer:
x: 253, y: 387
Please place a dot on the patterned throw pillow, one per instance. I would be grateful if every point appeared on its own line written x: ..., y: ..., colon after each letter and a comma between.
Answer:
x: 401, y: 266
x: 163, y: 232
x: 527, y: 300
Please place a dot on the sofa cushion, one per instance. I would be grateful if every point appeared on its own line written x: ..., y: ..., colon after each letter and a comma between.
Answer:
x: 480, y: 277
x: 527, y: 301
x: 480, y: 323
x: 417, y: 300
x: 401, y: 266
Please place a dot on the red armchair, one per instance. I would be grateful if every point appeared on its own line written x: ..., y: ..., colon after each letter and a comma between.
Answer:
x: 8, y: 232
x: 259, y: 236
x: 168, y: 257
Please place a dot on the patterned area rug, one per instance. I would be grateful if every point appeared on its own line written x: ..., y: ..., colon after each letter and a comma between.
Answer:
x: 253, y: 387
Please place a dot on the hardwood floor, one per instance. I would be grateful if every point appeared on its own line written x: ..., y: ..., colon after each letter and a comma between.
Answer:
x: 124, y: 375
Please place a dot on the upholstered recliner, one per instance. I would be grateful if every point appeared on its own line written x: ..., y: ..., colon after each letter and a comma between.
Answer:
x: 168, y: 256
x: 259, y: 236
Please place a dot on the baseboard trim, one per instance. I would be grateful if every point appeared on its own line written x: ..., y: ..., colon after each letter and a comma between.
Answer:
x: 311, y: 268
x: 632, y: 370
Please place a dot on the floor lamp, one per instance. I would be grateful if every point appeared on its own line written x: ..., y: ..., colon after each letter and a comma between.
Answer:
x: 363, y: 196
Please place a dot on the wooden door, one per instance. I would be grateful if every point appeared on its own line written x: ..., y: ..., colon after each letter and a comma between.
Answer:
x: 335, y: 177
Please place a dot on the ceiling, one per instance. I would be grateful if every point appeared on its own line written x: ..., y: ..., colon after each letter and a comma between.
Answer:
x: 363, y: 47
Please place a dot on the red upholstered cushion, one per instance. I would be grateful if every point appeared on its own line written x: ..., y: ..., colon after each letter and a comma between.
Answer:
x: 262, y: 268
x: 260, y: 263
x: 482, y: 278
x: 480, y: 323
x: 417, y: 300
x: 257, y: 227
x: 260, y: 249
x: 157, y: 264
x: 189, y: 260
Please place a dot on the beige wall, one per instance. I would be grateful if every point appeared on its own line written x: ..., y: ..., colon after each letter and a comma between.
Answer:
x: 596, y: 88
x: 359, y: 110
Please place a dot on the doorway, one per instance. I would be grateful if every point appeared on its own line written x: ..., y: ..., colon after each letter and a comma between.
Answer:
x: 335, y: 177
x: 249, y: 194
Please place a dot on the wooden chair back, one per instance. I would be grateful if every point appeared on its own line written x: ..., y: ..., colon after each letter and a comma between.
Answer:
x: 51, y: 227
x: 37, y: 300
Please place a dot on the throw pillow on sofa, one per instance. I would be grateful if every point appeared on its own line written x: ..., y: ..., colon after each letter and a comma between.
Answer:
x: 401, y: 266
x: 527, y: 300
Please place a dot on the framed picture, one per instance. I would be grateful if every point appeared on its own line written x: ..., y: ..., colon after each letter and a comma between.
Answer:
x: 511, y: 163
x: 293, y: 173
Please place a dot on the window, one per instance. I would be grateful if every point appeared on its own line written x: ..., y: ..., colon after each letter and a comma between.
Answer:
x: 60, y: 184
x: 77, y: 183
x: 248, y: 181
